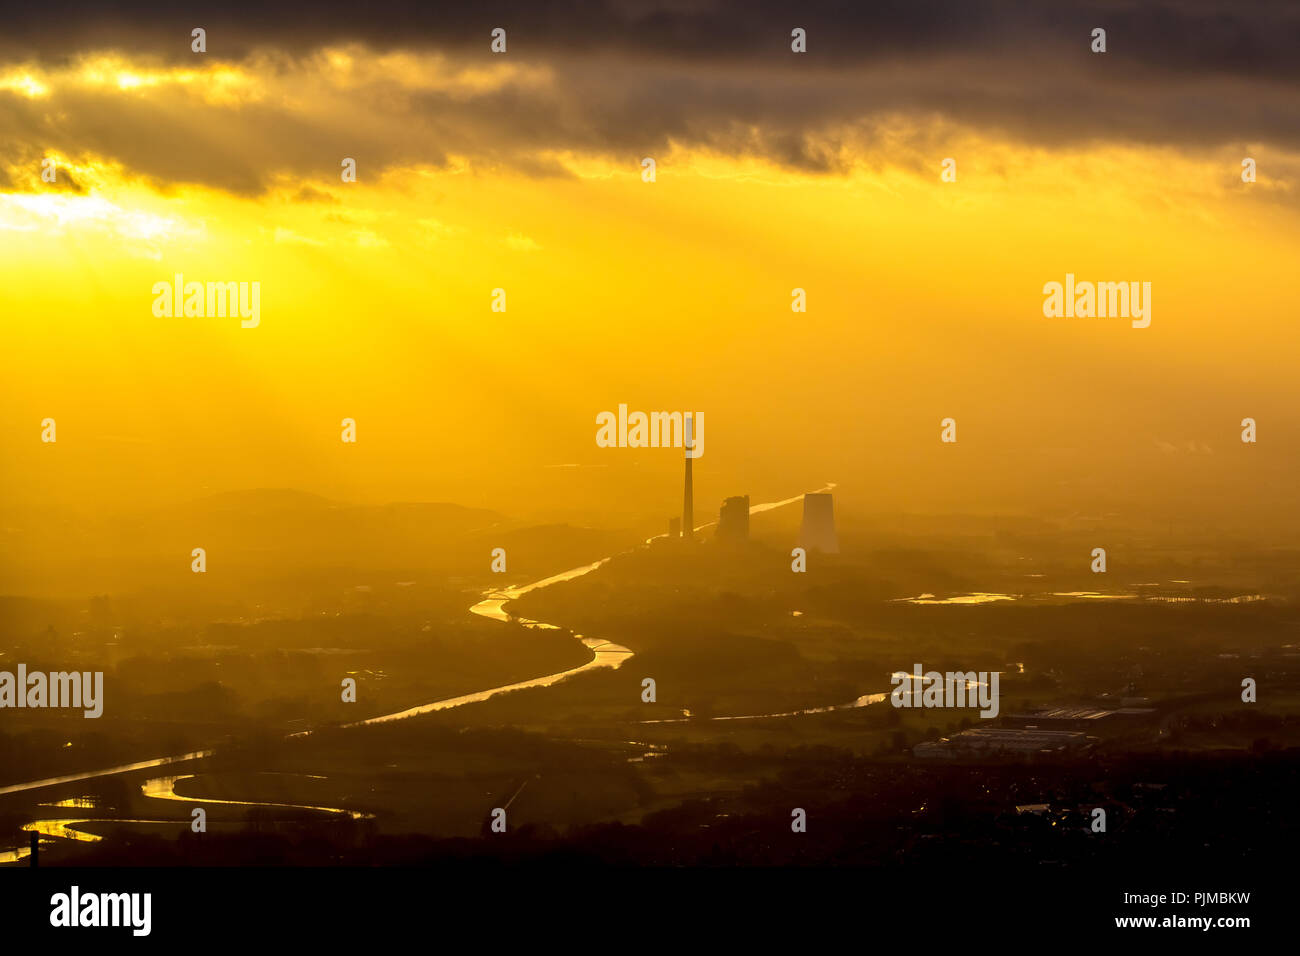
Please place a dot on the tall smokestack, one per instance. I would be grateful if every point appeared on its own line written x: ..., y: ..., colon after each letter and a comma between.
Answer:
x: 688, y: 497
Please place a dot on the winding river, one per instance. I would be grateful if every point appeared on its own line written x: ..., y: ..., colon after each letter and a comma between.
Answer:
x: 603, y: 654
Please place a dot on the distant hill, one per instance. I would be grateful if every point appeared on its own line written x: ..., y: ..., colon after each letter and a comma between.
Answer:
x: 259, y: 500
x: 268, y: 535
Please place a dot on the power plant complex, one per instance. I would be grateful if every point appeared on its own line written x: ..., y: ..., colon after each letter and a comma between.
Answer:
x: 816, y: 533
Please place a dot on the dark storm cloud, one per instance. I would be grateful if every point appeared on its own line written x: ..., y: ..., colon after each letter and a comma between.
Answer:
x: 632, y: 78
x: 1236, y: 37
x: 311, y: 194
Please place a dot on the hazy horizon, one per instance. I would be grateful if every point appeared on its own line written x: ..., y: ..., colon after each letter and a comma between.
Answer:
x: 522, y: 171
x: 379, y: 389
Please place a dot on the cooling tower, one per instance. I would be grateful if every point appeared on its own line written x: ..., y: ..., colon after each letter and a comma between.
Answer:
x: 733, y: 519
x: 818, y: 530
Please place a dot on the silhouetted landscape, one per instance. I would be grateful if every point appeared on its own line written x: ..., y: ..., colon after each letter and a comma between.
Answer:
x: 635, y: 470
x: 770, y: 695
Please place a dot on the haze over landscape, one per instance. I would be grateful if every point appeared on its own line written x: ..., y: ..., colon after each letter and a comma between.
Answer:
x: 361, y: 573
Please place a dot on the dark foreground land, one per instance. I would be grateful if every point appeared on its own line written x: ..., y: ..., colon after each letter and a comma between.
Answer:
x: 713, y: 771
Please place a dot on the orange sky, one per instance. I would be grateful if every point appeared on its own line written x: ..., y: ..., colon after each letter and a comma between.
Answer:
x: 924, y: 301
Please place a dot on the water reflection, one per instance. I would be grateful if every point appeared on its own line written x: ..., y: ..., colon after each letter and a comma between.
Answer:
x: 976, y: 597
x: 164, y: 788
x: 604, y: 654
x: 92, y: 774
x: 863, y: 701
